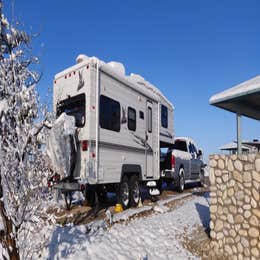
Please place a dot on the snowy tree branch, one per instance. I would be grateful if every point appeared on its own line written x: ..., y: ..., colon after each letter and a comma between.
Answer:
x: 24, y: 168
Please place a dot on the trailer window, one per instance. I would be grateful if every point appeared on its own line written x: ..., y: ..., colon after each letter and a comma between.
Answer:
x: 109, y: 114
x: 164, y: 116
x: 141, y: 114
x: 74, y: 106
x: 131, y: 119
x: 149, y: 120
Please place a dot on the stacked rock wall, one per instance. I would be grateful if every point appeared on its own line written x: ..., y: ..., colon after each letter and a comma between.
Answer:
x: 235, y: 205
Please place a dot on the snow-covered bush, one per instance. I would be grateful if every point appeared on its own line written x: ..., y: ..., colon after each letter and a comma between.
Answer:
x: 23, y: 167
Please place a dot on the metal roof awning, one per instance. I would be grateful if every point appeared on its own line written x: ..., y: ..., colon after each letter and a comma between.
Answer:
x: 232, y: 146
x: 243, y: 99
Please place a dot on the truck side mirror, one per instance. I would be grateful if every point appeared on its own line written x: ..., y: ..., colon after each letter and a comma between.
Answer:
x: 199, y: 153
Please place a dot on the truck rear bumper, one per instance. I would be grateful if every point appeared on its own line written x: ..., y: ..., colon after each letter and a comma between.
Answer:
x: 169, y: 174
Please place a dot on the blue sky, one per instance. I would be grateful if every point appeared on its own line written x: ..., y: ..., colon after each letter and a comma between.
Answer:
x: 190, y: 49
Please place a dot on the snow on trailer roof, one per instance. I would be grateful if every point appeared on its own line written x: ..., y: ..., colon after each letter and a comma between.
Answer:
x: 117, y: 70
x: 141, y: 81
x: 243, y: 99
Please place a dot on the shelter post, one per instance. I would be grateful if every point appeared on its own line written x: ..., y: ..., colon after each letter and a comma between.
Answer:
x: 239, y: 142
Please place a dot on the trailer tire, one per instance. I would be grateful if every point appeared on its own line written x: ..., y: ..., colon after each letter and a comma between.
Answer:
x: 102, y: 194
x: 102, y: 197
x: 135, y: 194
x: 124, y: 193
x: 91, y: 197
x: 181, y: 180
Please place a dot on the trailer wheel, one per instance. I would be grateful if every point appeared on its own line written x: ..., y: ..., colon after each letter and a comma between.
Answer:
x: 102, y: 196
x: 181, y: 180
x: 124, y: 194
x: 91, y: 197
x: 102, y: 193
x: 134, y: 191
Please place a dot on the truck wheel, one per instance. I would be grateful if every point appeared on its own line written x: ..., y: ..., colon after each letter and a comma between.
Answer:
x: 124, y: 194
x: 181, y: 180
x: 134, y: 191
x: 202, y: 178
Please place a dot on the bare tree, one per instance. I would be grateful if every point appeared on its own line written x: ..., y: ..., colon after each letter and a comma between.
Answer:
x: 23, y: 169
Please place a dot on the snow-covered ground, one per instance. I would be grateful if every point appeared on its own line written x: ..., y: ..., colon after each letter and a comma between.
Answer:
x: 155, y: 236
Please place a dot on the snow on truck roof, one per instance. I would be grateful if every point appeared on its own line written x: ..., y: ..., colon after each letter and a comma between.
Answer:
x: 117, y: 70
x: 187, y: 139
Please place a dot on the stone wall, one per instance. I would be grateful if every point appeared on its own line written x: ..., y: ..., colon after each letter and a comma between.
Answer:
x: 235, y: 205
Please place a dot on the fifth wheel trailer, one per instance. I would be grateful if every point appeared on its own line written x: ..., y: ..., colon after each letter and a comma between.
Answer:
x: 122, y: 121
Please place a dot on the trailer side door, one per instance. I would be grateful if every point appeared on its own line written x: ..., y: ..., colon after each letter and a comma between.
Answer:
x: 149, y: 152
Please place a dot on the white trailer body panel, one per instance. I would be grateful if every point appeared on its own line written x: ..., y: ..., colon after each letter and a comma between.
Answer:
x: 123, y: 149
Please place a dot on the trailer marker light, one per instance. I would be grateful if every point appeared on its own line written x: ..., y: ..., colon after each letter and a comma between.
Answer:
x: 93, y: 107
x: 84, y: 145
x: 87, y: 66
x: 93, y: 155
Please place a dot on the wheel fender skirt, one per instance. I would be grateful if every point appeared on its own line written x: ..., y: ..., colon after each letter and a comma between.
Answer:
x: 151, y: 184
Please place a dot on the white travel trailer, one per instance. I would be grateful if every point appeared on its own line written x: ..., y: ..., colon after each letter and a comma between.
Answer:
x: 122, y: 121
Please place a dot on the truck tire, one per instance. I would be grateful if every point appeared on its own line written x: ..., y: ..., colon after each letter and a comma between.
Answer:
x: 202, y: 178
x: 134, y: 191
x: 181, y: 180
x: 124, y: 193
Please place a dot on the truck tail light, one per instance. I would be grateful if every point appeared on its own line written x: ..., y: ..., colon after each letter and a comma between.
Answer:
x: 173, y: 161
x: 84, y: 145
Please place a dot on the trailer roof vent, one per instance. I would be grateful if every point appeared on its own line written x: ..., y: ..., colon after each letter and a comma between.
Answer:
x: 81, y: 58
x: 117, y: 66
